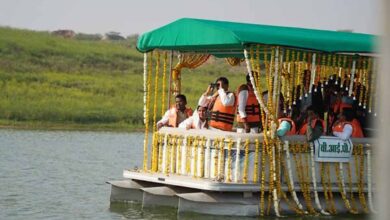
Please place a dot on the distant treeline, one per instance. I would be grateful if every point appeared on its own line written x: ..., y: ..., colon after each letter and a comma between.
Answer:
x: 49, y: 80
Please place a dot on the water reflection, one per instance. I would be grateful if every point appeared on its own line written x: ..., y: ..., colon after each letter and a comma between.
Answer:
x: 134, y: 210
x: 62, y: 175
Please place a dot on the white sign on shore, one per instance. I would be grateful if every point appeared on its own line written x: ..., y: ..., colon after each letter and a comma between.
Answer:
x: 332, y: 149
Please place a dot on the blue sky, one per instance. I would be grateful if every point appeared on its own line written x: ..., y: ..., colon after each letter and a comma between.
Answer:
x: 129, y: 17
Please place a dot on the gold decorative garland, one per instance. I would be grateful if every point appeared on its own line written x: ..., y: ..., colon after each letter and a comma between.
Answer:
x: 360, y: 174
x: 202, y: 155
x: 215, y: 158
x: 221, y: 159
x: 256, y: 162
x: 302, y: 181
x: 179, y: 154
x: 342, y: 193
x: 147, y: 104
x: 229, y: 161
x: 164, y: 81
x: 246, y: 159
x: 195, y: 154
x: 292, y: 205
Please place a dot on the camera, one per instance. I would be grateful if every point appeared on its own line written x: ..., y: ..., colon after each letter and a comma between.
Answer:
x: 214, y: 85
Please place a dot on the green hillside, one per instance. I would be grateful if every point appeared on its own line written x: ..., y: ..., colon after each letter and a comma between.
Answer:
x: 55, y: 83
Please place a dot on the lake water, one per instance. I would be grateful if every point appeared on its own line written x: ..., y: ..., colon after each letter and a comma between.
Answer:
x: 62, y: 175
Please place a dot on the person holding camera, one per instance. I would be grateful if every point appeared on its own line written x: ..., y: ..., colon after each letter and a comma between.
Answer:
x: 221, y: 105
x: 248, y: 112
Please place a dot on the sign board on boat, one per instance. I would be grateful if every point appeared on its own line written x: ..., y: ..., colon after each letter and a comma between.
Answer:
x: 332, y: 149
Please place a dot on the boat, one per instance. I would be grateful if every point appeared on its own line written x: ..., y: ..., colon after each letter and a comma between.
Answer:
x: 244, y: 174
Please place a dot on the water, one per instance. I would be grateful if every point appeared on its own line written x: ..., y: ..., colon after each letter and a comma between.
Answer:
x: 62, y: 175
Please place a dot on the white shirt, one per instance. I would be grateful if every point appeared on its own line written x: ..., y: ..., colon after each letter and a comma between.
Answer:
x: 345, y: 134
x: 180, y: 116
x: 165, y: 118
x: 195, y: 121
x: 242, y: 99
x: 226, y: 99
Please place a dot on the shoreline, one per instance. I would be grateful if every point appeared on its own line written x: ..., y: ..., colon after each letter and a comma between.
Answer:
x: 67, y: 126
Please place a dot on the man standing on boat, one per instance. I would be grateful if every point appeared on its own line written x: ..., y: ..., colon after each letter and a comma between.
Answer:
x: 222, y: 105
x: 197, y: 121
x: 248, y: 116
x: 176, y: 114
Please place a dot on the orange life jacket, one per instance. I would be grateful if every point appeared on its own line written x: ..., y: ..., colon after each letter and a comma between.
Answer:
x: 303, y: 130
x: 172, y: 117
x: 293, y: 129
x: 339, y: 105
x: 356, y: 128
x: 222, y: 117
x: 252, y: 107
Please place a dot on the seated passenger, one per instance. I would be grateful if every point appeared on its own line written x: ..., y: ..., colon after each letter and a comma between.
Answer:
x: 286, y: 126
x: 176, y: 114
x: 197, y: 121
x: 314, y: 127
x: 342, y: 101
x: 347, y: 126
x: 221, y: 105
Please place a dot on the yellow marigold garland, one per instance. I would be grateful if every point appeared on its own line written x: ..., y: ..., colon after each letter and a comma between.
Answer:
x: 290, y: 189
x: 195, y: 156
x: 342, y: 192
x: 168, y: 155
x: 332, y: 204
x: 179, y: 154
x: 229, y: 161
x: 271, y: 175
x: 362, y: 81
x: 202, y: 155
x: 292, y: 78
x: 146, y: 112
x: 257, y: 79
x: 160, y: 152
x: 302, y: 182
x: 164, y: 81
x: 215, y: 158
x: 221, y: 159
x: 154, y: 159
x: 367, y: 83
x: 360, y: 174
x: 353, y: 203
x: 371, y: 91
x: 246, y: 148
x: 262, y: 185
x: 188, y: 154
x: 256, y: 162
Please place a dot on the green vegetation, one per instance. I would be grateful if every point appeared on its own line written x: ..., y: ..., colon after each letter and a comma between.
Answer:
x: 55, y: 83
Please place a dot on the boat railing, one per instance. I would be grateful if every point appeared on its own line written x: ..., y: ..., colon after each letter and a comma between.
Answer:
x: 231, y: 157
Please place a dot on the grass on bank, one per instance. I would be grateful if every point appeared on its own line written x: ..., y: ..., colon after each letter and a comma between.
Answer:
x: 54, y: 83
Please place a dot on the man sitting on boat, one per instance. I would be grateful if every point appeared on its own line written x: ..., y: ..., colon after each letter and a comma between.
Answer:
x: 314, y: 126
x: 221, y: 104
x: 176, y: 114
x: 347, y: 126
x: 248, y: 109
x: 197, y: 121
x: 286, y: 126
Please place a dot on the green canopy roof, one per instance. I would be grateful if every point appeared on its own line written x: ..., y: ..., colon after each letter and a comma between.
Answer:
x: 189, y: 34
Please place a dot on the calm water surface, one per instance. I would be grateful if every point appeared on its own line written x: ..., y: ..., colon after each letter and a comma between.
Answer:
x: 62, y: 175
